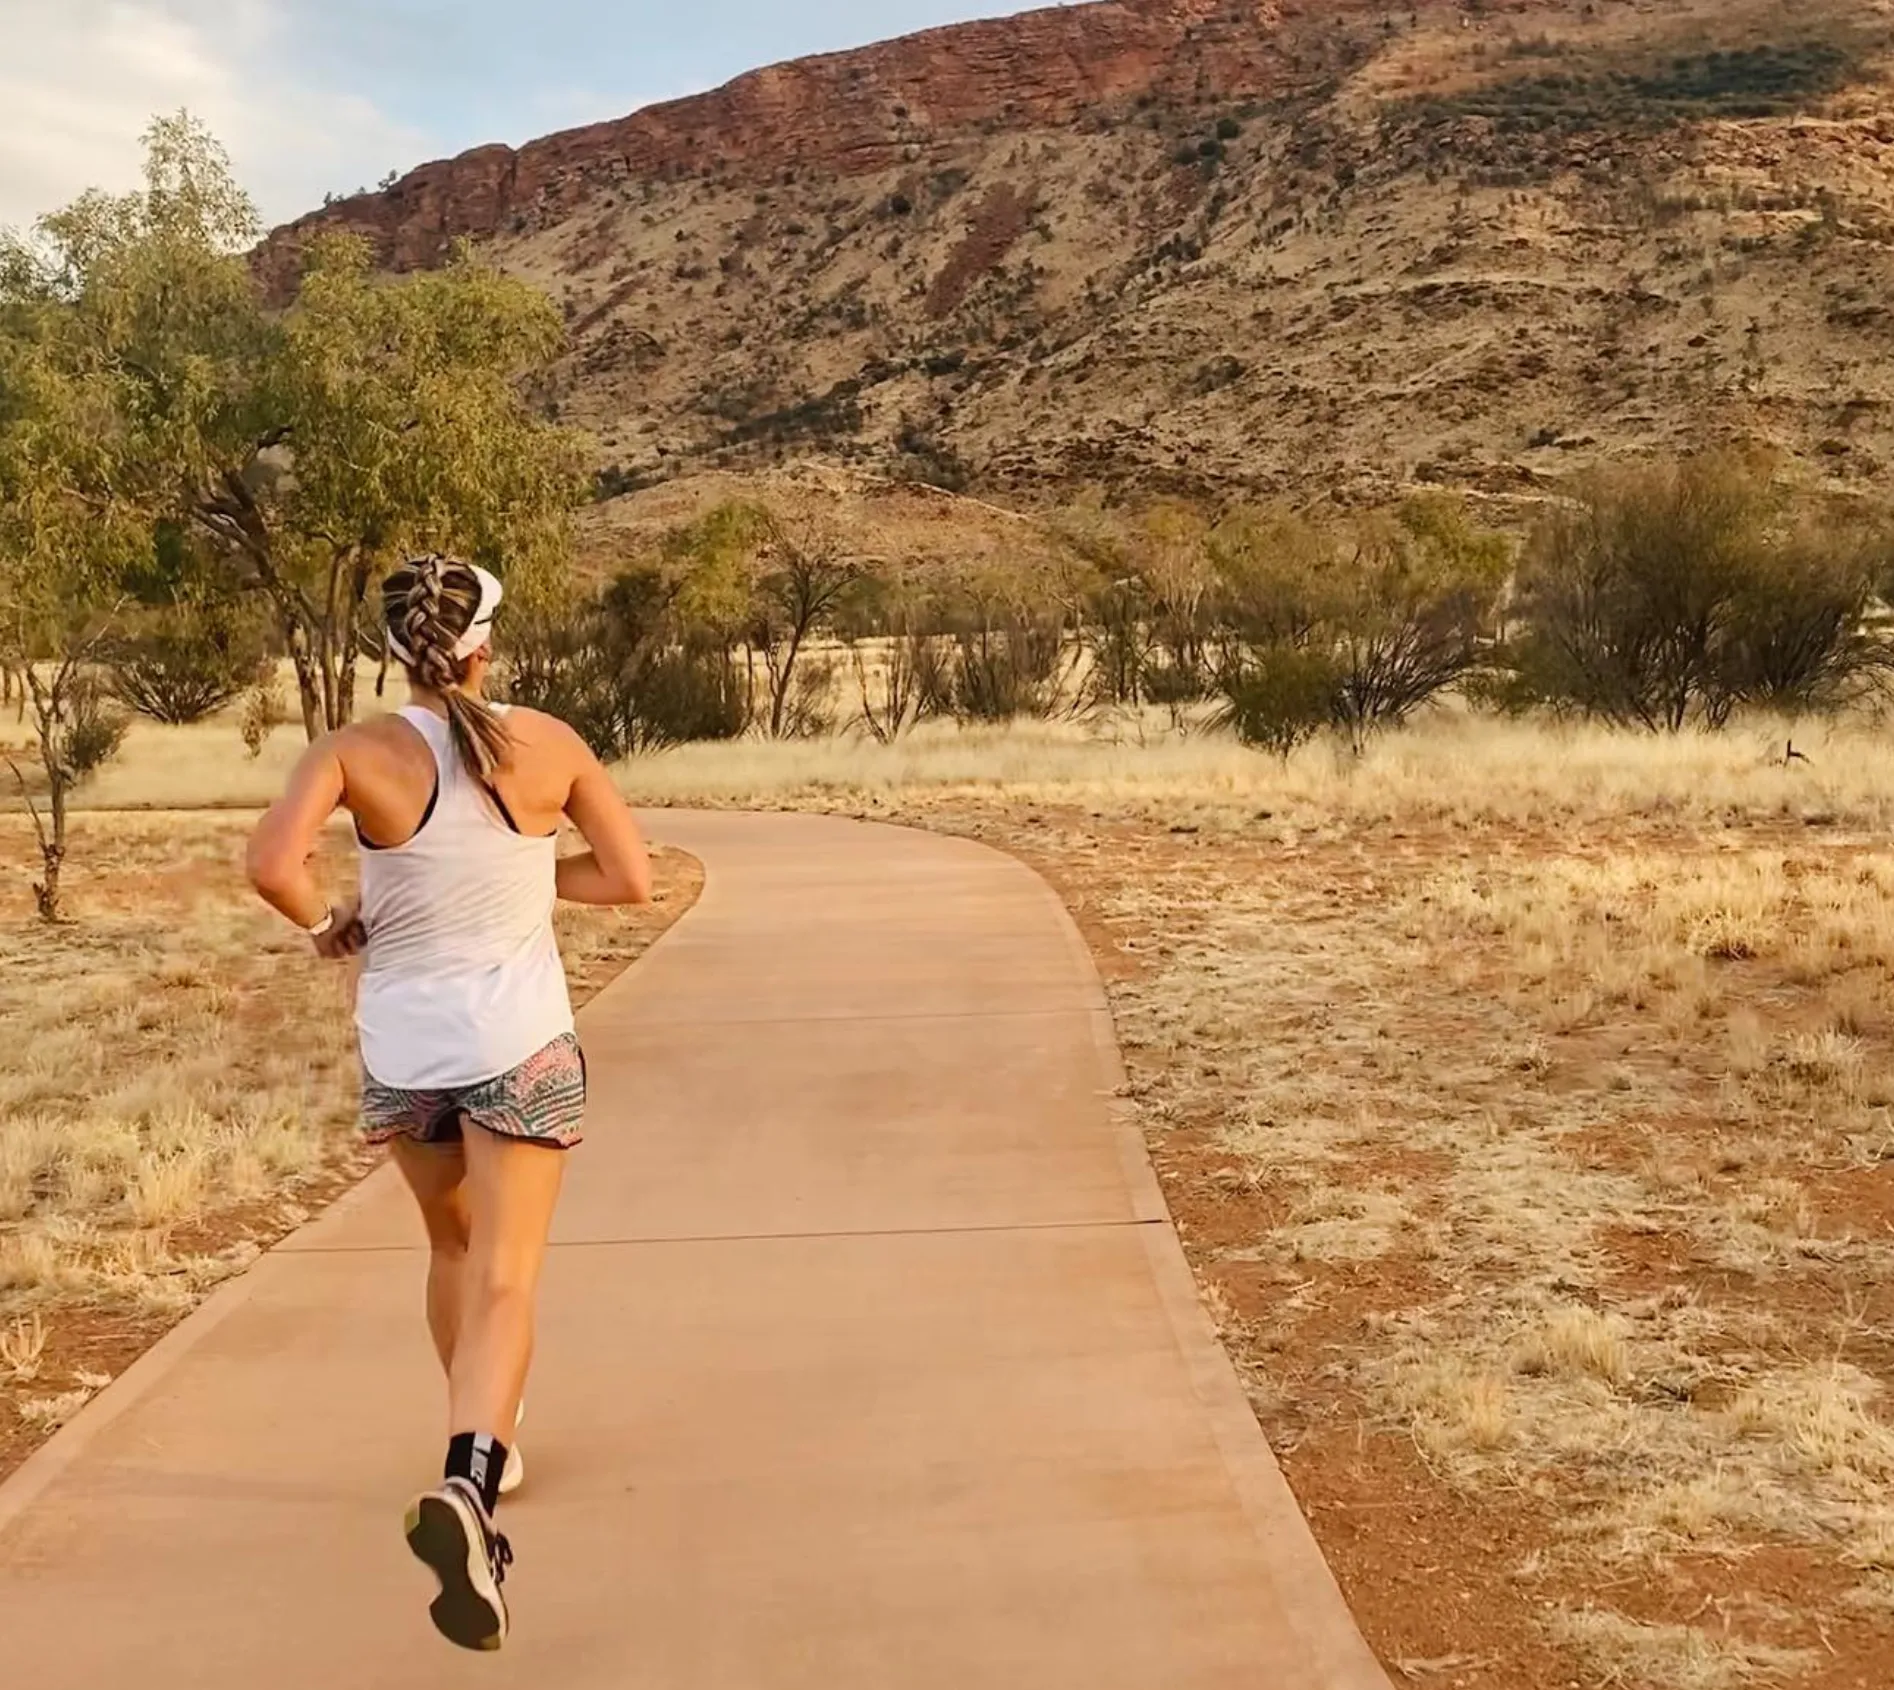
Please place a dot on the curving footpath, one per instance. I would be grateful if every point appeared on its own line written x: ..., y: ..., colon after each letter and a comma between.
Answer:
x: 870, y: 1360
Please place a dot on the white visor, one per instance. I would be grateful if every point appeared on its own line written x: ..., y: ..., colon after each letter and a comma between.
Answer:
x: 479, y: 631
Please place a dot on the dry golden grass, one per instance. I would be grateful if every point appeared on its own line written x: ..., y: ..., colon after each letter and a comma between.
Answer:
x: 168, y: 1055
x: 1604, y: 1120
x: 1449, y: 769
x: 1621, y: 1651
x: 169, y: 1061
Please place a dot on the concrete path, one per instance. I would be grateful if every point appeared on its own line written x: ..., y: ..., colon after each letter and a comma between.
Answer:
x: 869, y: 1361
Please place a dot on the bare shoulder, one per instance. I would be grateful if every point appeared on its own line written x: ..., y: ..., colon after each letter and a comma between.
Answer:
x: 546, y: 739
x: 371, y: 737
x: 542, y: 735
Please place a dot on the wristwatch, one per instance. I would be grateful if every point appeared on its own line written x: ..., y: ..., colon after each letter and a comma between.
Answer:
x: 322, y: 928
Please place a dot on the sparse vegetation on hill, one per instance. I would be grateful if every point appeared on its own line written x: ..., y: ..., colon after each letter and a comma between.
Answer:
x: 1334, y: 254
x: 1774, y: 79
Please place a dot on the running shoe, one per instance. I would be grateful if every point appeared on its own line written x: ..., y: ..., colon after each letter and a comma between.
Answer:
x: 452, y: 1535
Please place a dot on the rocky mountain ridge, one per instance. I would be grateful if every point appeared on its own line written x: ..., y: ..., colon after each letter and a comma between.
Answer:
x: 1221, y: 248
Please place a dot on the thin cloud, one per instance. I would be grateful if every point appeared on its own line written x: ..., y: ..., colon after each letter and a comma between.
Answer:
x: 327, y: 96
x: 81, y: 79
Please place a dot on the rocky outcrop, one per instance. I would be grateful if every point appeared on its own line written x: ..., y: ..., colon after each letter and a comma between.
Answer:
x: 842, y: 114
x: 1218, y: 248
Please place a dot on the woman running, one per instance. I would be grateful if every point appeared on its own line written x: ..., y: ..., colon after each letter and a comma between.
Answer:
x: 473, y: 1069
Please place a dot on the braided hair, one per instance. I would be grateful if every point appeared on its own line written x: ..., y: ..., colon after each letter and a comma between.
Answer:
x: 428, y: 604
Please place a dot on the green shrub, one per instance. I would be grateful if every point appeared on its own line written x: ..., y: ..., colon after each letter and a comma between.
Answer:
x: 1280, y: 697
x: 188, y: 663
x: 88, y: 734
x: 623, y: 672
x: 1673, y: 593
x: 1398, y: 607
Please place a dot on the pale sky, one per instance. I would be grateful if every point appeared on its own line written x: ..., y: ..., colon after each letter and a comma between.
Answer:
x: 313, y: 96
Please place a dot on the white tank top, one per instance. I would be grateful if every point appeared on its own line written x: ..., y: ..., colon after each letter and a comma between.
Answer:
x: 462, y: 981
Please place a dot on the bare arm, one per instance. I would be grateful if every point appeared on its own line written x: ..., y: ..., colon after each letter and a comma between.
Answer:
x: 285, y: 840
x: 617, y: 868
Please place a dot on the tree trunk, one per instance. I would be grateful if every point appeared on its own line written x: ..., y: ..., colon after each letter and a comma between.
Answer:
x: 52, y: 850
x: 48, y: 710
x: 779, y: 704
x: 360, y: 564
x: 308, y: 684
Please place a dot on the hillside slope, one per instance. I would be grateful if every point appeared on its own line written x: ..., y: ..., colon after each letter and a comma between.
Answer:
x: 1223, y: 246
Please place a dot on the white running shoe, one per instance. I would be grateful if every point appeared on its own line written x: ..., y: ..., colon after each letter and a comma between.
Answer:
x: 451, y: 1534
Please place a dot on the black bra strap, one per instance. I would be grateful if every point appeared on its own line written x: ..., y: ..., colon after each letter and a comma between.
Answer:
x: 493, y: 792
x: 427, y: 816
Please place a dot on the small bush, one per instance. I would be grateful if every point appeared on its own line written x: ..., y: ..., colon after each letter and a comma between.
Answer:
x: 188, y: 664
x: 1280, y: 697
x: 622, y: 672
x: 1000, y: 674
x: 1398, y: 606
x: 1675, y: 593
x: 687, y: 693
x: 89, y: 734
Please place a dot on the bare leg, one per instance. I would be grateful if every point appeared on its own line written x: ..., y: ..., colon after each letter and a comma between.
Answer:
x: 512, y: 1190
x: 437, y: 1175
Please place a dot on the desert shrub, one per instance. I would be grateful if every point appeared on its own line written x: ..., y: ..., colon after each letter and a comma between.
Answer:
x: 1001, y: 672
x: 1798, y: 638
x: 1396, y: 607
x: 1417, y: 596
x: 1172, y: 684
x: 1144, y: 602
x: 623, y: 671
x: 1277, y: 698
x: 1116, y: 632
x: 88, y: 733
x: 889, y: 621
x: 692, y: 691
x: 187, y: 662
x: 809, y: 708
x: 1673, y: 593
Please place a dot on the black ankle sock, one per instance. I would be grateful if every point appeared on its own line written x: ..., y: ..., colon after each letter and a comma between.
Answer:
x: 481, y: 1461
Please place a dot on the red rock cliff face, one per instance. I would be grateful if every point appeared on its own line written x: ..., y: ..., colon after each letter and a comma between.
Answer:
x: 843, y: 114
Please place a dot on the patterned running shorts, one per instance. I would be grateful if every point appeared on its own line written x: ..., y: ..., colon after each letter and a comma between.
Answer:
x: 541, y: 1101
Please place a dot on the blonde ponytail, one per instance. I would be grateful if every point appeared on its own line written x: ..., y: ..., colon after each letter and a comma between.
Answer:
x: 428, y: 605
